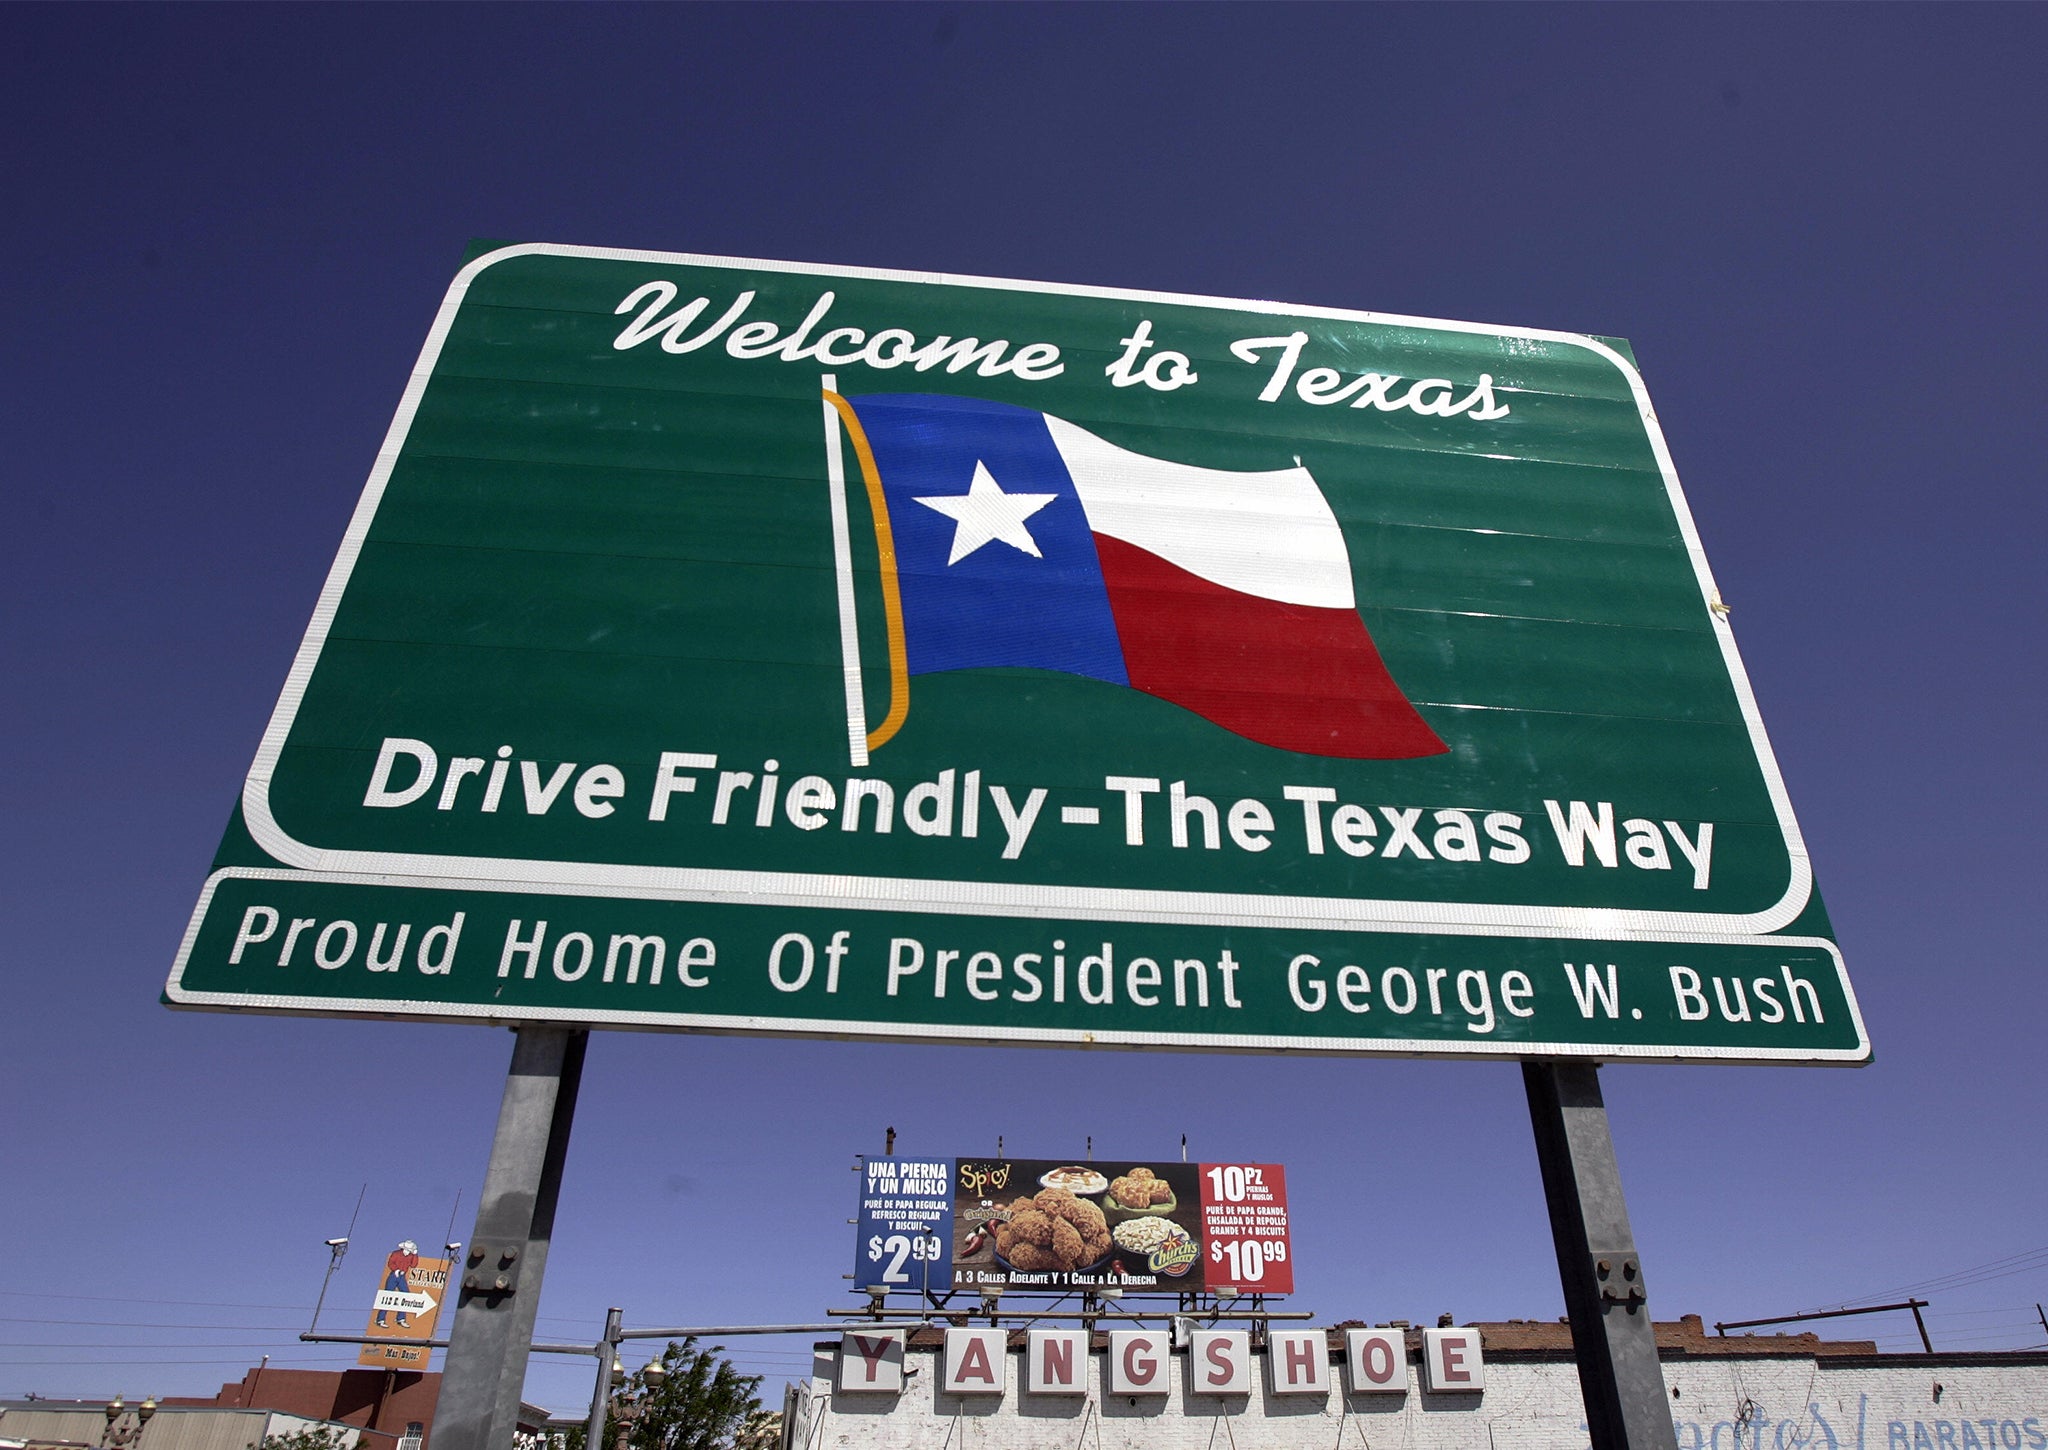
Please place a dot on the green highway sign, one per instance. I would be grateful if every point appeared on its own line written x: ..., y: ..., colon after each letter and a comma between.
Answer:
x: 747, y: 646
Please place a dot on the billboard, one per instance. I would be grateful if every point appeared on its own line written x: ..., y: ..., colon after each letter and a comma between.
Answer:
x: 750, y: 646
x: 410, y: 1292
x: 1031, y: 1225
x: 1155, y: 1227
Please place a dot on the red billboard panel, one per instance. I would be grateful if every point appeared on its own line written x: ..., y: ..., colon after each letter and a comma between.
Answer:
x: 1244, y: 1228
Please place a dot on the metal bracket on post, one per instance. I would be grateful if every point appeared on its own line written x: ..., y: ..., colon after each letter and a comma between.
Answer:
x: 485, y: 1366
x: 492, y: 1270
x: 1627, y: 1407
x: 1620, y: 1279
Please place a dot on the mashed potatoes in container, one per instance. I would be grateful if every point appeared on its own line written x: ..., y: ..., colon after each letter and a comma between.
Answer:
x: 1143, y: 1235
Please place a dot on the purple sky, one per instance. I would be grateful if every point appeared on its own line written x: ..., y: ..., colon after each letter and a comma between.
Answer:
x: 228, y: 229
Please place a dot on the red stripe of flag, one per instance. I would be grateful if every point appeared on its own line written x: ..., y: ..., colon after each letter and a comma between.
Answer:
x: 1288, y: 675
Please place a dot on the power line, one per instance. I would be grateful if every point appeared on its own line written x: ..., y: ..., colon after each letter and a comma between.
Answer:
x: 132, y: 1324
x: 1965, y: 1278
x: 94, y: 1344
x: 180, y: 1303
x: 147, y: 1363
x: 2000, y: 1268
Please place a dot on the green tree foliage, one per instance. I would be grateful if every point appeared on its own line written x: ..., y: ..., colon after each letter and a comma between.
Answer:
x: 704, y: 1404
x: 313, y: 1437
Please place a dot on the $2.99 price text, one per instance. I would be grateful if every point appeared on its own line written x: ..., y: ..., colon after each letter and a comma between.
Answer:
x: 901, y: 1250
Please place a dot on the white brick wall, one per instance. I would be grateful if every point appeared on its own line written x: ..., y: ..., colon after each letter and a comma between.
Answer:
x: 1721, y: 1404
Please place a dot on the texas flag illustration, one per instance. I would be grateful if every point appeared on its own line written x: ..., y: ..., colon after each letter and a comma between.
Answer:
x: 1015, y: 538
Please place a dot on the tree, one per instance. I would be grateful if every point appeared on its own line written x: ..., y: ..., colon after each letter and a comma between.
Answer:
x: 702, y: 1403
x: 312, y: 1437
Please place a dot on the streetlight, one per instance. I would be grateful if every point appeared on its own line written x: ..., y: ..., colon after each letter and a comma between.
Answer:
x: 625, y: 1412
x: 127, y: 1435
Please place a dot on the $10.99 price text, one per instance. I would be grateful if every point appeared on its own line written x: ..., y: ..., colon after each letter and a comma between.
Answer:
x: 1248, y: 1257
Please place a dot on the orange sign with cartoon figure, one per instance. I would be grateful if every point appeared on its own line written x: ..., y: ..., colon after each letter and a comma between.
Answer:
x: 409, y: 1296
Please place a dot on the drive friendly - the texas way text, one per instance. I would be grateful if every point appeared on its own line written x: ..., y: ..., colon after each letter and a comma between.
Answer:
x: 411, y: 774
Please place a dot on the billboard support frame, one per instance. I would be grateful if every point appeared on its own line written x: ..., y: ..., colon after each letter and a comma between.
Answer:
x: 1627, y: 1406
x: 484, y: 1369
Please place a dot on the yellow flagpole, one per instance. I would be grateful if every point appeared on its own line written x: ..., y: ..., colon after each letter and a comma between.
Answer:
x: 892, y: 595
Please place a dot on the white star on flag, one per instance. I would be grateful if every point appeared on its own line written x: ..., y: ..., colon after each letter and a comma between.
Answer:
x: 985, y: 513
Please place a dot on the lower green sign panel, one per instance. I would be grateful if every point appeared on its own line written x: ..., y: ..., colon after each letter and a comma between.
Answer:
x: 294, y: 941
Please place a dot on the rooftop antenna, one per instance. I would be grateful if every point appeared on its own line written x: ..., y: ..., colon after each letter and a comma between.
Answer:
x: 1091, y: 1147
x: 999, y: 1147
x: 1183, y: 1147
x: 336, y: 1249
x: 889, y: 1145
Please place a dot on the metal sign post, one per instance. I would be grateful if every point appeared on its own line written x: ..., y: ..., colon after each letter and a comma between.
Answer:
x: 1612, y: 1338
x: 485, y: 1368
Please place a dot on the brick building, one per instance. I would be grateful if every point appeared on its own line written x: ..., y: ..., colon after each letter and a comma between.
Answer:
x: 382, y: 1403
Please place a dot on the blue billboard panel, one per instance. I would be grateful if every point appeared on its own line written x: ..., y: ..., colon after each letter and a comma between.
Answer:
x: 905, y: 1225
